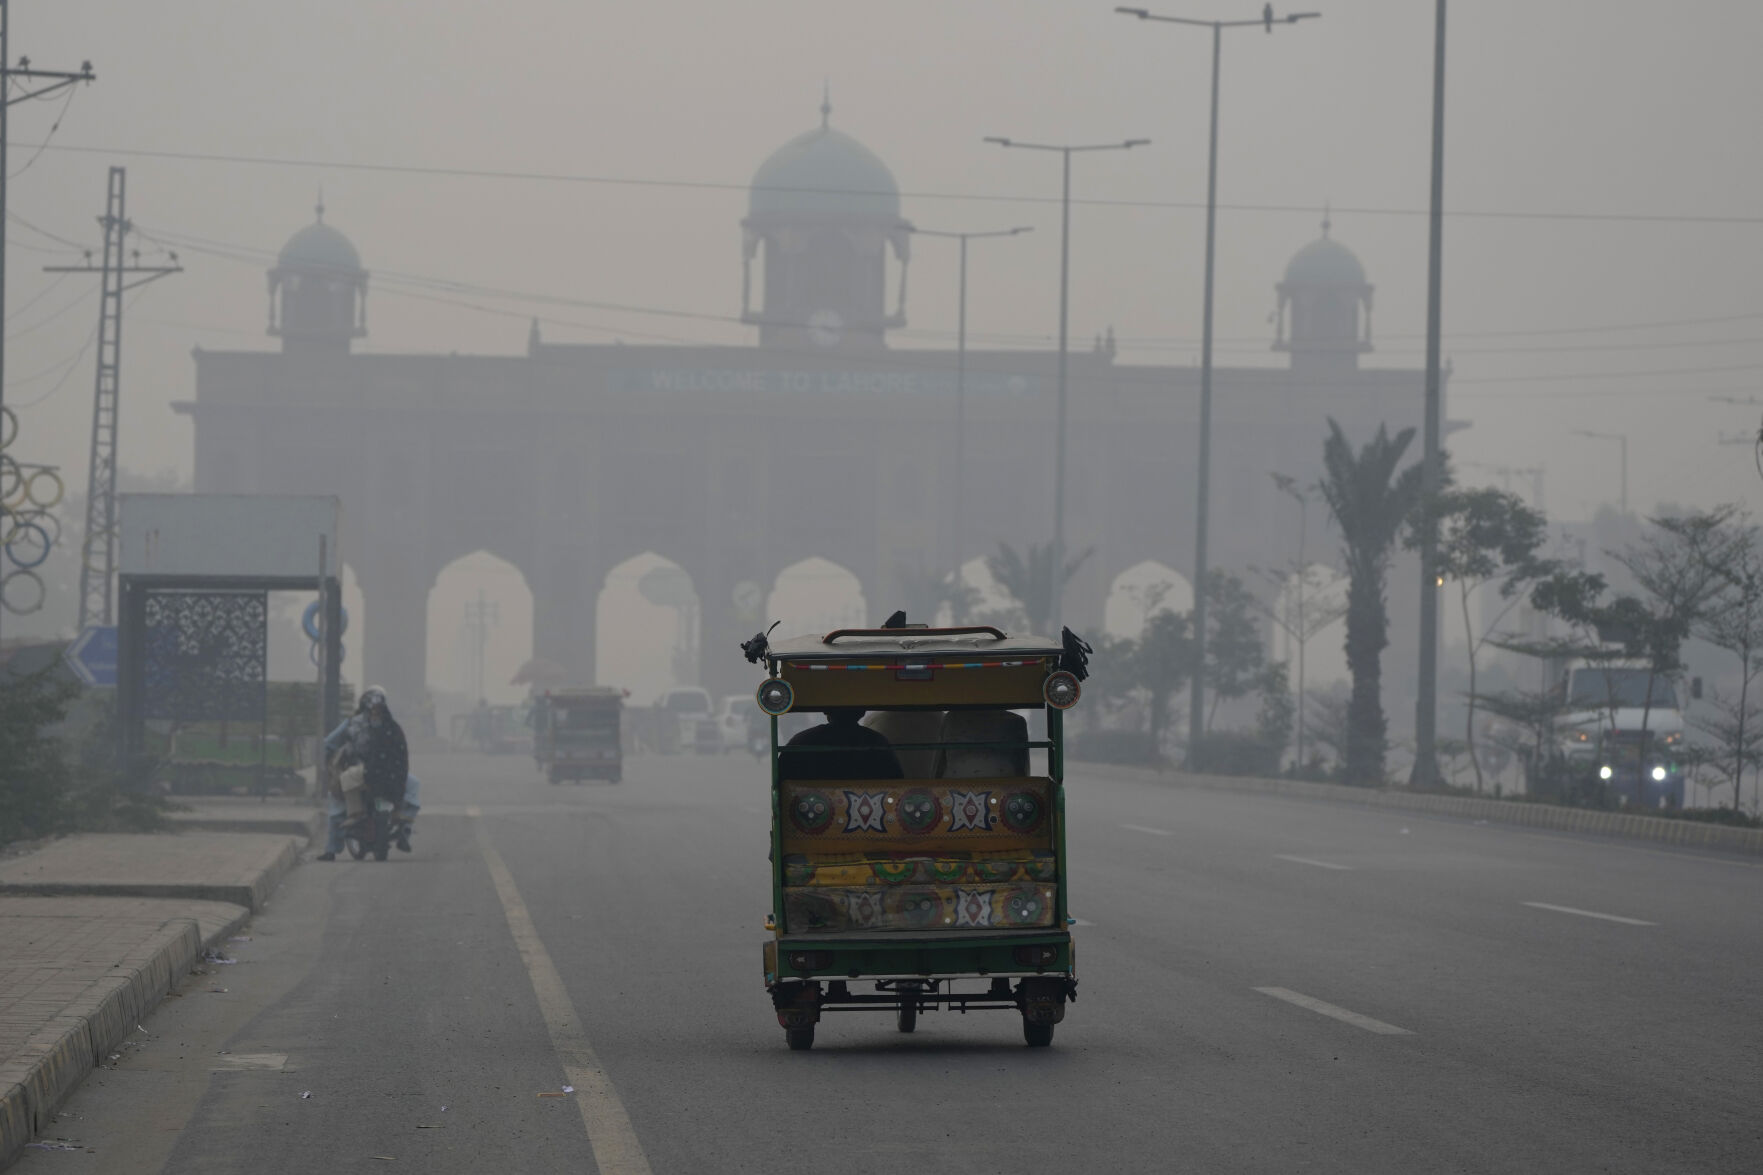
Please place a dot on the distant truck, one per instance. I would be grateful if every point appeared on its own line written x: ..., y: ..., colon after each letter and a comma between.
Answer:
x: 577, y: 733
x: 1620, y: 734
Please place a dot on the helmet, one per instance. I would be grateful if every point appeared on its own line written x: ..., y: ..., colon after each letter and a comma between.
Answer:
x: 372, y: 698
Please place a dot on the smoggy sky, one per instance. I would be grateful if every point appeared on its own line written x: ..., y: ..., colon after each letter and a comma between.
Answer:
x: 1624, y: 132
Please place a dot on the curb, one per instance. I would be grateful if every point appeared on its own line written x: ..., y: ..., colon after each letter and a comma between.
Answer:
x: 311, y: 827
x: 251, y: 892
x: 1585, y: 821
x: 87, y: 1038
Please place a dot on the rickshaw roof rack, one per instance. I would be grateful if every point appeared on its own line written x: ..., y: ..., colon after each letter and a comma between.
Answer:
x: 914, y: 642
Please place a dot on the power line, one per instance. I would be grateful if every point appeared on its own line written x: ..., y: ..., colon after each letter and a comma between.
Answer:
x: 391, y: 279
x: 981, y: 197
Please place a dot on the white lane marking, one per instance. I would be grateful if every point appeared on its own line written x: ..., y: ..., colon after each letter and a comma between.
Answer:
x: 1588, y: 914
x: 1152, y: 831
x: 610, y: 1133
x: 1333, y: 1012
x: 1311, y: 861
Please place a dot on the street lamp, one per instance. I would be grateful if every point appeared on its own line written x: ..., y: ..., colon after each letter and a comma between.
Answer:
x: 959, y: 480
x: 1621, y: 439
x: 1202, y: 499
x: 1066, y: 151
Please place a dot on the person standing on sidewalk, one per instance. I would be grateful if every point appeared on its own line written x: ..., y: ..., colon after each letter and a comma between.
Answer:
x: 368, y: 754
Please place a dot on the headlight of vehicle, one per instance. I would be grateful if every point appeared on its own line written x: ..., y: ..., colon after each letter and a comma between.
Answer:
x: 775, y: 696
x: 1061, y: 690
x: 1675, y: 737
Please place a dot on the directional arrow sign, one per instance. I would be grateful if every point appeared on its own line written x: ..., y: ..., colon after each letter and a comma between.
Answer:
x: 92, y: 656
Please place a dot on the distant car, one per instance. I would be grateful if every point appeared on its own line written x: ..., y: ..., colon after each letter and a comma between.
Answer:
x: 738, y: 721
x: 690, y: 706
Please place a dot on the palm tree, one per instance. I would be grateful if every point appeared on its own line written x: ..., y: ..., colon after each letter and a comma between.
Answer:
x: 1370, y: 500
x: 1029, y: 581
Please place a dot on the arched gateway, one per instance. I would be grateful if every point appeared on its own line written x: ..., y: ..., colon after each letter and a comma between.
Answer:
x: 737, y: 462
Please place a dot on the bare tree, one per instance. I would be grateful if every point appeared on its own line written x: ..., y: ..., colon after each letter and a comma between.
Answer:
x: 1483, y: 535
x: 1727, y: 543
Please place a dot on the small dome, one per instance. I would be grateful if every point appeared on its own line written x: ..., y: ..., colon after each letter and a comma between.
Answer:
x: 1325, y: 262
x: 319, y: 246
x: 824, y: 173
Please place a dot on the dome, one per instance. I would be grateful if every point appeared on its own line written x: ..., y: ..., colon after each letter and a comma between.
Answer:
x: 824, y: 173
x: 1325, y: 262
x: 319, y: 246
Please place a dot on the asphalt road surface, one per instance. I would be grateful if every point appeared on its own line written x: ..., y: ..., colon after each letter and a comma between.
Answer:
x: 1266, y: 985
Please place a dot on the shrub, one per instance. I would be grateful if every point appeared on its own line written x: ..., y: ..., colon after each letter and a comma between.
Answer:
x: 35, y: 777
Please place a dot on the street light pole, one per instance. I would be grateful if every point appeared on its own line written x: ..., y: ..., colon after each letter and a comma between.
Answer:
x: 959, y: 481
x: 1621, y: 439
x: 1289, y: 487
x: 1203, y: 495
x: 1057, y: 570
x: 1426, y: 708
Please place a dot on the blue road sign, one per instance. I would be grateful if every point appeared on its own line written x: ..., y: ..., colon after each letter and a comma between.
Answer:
x: 92, y: 656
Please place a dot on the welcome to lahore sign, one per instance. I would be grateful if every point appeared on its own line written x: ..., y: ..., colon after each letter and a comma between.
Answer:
x: 934, y: 383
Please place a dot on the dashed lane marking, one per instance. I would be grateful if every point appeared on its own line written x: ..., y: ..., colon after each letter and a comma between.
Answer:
x: 1151, y: 831
x: 1588, y: 914
x: 1333, y: 1012
x: 1313, y: 861
x: 610, y: 1133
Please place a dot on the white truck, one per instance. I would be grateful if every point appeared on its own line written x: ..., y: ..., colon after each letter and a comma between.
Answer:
x: 1620, y: 735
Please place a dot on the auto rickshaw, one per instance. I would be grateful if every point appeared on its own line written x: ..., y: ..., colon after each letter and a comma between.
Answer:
x: 576, y: 734
x: 923, y: 852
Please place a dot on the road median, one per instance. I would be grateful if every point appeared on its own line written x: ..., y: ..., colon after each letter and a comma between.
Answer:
x: 1585, y: 821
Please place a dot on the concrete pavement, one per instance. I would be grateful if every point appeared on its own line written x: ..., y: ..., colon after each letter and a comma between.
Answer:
x: 94, y: 932
x: 1269, y: 983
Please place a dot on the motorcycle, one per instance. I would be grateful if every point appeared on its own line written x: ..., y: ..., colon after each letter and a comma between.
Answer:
x: 376, y: 831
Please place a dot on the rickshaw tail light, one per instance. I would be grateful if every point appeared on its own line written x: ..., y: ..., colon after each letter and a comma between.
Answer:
x: 1062, y: 690
x: 1041, y: 956
x: 775, y: 696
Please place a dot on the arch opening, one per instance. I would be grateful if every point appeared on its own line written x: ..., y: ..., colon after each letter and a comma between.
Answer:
x: 480, y: 634
x: 648, y: 619
x: 1139, y: 593
x: 817, y: 595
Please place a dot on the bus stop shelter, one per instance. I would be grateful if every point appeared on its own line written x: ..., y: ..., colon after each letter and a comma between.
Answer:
x: 195, y: 573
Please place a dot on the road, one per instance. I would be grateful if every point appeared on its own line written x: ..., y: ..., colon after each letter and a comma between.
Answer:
x: 1267, y: 985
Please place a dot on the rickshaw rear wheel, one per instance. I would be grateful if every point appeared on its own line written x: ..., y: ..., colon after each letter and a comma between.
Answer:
x: 800, y: 1039
x: 908, y: 1019
x: 1038, y: 1036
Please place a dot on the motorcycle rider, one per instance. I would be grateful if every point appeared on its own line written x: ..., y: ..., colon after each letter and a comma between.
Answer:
x: 367, y: 753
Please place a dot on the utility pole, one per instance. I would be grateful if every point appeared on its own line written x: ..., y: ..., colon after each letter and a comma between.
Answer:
x: 98, y: 555
x: 37, y: 83
x: 480, y: 616
x: 959, y: 481
x: 1056, y: 593
x: 1426, y: 695
x: 1203, y: 495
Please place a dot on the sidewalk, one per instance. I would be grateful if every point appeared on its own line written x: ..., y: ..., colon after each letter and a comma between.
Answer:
x: 94, y: 930
x: 288, y: 817
x: 242, y: 868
